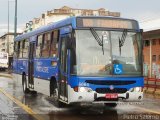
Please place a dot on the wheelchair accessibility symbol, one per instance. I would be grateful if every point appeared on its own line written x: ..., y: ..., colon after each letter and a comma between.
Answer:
x: 118, y: 69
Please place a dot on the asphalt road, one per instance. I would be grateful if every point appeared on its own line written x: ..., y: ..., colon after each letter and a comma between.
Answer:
x: 14, y: 105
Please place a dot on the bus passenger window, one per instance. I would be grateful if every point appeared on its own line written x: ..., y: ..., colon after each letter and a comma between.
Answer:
x: 25, y: 49
x: 16, y: 50
x: 46, y: 45
x: 21, y: 50
x: 54, y: 44
x: 39, y: 45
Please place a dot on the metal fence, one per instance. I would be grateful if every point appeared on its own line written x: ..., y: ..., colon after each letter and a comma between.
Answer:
x: 152, y: 83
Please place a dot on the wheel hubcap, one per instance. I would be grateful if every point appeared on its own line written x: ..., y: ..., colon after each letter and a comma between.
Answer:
x: 55, y: 94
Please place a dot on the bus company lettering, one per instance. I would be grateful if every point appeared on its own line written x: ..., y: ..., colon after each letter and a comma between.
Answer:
x: 42, y: 69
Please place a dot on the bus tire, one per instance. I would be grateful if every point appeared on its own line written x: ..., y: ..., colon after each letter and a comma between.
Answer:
x: 24, y: 84
x: 54, y: 95
x: 111, y: 105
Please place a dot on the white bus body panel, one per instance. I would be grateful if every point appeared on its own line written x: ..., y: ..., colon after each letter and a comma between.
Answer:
x: 42, y: 86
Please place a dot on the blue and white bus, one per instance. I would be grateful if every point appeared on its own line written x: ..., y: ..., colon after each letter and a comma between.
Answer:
x: 82, y: 60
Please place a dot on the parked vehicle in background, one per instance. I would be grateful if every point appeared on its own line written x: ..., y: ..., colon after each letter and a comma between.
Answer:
x: 3, y: 60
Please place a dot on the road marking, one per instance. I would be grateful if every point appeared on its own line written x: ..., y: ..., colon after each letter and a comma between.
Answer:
x: 23, y: 106
x: 148, y: 110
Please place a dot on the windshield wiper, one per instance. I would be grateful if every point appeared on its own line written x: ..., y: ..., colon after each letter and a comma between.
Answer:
x: 97, y: 38
x: 122, y: 39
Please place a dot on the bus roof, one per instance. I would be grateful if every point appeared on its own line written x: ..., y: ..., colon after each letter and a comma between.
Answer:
x: 62, y: 23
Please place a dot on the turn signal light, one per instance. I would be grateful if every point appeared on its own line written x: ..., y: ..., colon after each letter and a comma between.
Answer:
x: 53, y: 63
x: 75, y: 89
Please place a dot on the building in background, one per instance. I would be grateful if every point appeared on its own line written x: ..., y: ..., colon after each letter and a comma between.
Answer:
x: 7, y: 45
x: 65, y: 12
x: 151, y: 47
x: 151, y: 52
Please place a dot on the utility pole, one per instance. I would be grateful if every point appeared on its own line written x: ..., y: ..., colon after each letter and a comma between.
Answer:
x: 15, y: 20
x: 8, y: 30
x: 150, y: 57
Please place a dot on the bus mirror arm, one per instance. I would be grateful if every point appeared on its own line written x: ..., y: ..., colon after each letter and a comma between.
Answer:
x: 70, y: 43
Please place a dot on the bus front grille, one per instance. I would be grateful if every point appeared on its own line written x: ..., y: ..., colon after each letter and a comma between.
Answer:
x: 108, y: 90
x: 109, y: 82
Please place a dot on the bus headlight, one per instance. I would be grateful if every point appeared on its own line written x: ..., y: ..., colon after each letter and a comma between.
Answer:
x: 137, y: 89
x: 85, y: 89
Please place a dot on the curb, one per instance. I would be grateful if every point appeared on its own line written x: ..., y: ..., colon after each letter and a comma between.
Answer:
x: 6, y: 75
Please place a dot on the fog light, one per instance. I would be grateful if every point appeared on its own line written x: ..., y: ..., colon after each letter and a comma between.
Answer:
x: 85, y: 89
x: 82, y: 89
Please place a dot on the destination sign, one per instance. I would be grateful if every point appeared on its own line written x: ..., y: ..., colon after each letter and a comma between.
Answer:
x: 107, y: 23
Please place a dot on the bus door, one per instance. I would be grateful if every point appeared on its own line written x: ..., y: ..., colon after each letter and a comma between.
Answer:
x: 31, y: 65
x: 64, y: 65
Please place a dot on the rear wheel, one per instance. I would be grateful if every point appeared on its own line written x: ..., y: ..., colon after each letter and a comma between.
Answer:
x: 24, y: 84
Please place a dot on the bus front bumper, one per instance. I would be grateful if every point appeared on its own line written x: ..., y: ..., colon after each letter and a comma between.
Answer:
x: 94, y: 97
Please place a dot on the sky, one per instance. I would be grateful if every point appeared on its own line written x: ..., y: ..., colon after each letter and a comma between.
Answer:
x: 141, y: 10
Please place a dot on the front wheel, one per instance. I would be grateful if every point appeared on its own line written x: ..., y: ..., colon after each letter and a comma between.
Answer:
x: 24, y: 84
x: 54, y: 96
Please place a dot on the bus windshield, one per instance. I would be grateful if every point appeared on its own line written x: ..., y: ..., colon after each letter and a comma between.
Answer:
x: 117, y: 47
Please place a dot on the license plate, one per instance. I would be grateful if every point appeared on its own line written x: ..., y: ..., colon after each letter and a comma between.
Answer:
x: 111, y: 96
